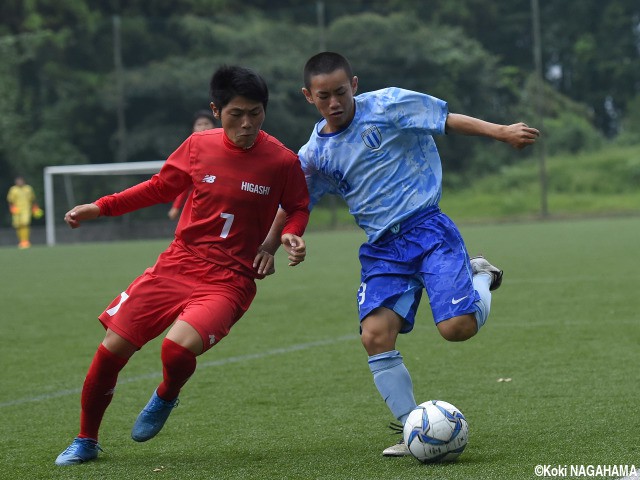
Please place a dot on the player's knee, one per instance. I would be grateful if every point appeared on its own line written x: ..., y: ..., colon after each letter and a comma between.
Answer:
x: 380, y: 330
x: 458, y: 329
x: 377, y: 341
x: 374, y: 342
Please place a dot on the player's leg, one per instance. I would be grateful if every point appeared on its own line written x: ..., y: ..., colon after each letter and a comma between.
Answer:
x: 23, y: 236
x: 485, y: 278
x: 458, y: 288
x: 392, y: 379
x: 387, y: 302
x: 179, y: 350
x: 211, y: 311
x: 136, y: 316
x: 97, y: 392
x: 379, y: 333
x: 21, y: 224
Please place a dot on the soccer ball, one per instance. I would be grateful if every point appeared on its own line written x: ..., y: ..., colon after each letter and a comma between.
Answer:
x: 436, y: 431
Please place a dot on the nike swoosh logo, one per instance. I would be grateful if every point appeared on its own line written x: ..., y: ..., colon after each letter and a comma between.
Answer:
x: 456, y: 301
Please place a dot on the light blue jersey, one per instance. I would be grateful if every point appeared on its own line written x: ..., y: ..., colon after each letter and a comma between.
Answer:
x: 385, y: 164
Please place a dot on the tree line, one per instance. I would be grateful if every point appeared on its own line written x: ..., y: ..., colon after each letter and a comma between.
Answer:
x: 99, y: 81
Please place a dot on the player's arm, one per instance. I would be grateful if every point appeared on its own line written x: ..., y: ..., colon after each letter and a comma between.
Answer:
x: 295, y: 202
x: 163, y: 187
x: 178, y: 203
x: 11, y: 200
x: 174, y: 178
x: 272, y: 241
x: 295, y: 247
x: 80, y: 213
x: 518, y: 135
x: 13, y: 208
x: 293, y: 244
x: 264, y: 262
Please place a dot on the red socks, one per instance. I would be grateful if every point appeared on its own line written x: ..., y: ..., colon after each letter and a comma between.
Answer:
x: 178, y: 364
x: 97, y: 390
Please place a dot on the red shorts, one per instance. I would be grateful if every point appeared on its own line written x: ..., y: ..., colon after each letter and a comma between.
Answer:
x: 181, y: 286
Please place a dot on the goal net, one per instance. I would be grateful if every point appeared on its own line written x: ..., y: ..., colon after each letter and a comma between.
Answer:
x: 68, y: 185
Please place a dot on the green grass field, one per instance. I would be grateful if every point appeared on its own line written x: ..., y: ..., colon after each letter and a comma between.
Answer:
x: 288, y: 395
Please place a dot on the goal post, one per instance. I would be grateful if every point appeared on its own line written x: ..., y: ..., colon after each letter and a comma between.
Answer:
x: 149, y: 167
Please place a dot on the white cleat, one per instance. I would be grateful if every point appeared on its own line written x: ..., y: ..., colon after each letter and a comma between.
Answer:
x: 397, y: 450
x: 480, y: 264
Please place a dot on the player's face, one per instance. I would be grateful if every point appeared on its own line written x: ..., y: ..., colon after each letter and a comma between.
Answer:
x: 202, y: 123
x: 241, y: 120
x: 332, y: 94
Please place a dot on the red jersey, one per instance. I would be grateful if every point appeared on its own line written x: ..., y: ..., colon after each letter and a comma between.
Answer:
x: 236, y: 194
x: 181, y: 199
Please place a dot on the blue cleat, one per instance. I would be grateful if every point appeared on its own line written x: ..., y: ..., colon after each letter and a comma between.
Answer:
x: 152, y: 418
x: 81, y: 450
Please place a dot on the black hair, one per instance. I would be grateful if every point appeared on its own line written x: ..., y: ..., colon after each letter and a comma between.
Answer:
x: 208, y: 114
x: 232, y: 81
x: 325, y: 62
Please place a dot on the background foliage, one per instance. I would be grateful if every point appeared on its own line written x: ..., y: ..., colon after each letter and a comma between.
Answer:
x: 59, y: 90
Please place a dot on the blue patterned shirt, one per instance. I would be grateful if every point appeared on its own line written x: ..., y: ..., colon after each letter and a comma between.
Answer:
x: 385, y: 163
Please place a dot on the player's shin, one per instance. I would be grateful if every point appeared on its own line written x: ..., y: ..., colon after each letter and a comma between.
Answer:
x: 178, y: 364
x: 393, y: 382
x: 97, y: 391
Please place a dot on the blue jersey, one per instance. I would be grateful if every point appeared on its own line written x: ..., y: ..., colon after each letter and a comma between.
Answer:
x: 385, y: 164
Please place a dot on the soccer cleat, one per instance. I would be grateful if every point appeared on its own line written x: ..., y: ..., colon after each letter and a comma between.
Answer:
x: 81, y: 450
x: 152, y: 418
x: 398, y: 449
x: 480, y: 264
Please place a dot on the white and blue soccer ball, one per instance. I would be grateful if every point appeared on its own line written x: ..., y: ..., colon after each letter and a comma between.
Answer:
x: 436, y: 431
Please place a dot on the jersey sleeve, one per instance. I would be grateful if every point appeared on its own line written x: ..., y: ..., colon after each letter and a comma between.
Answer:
x: 295, y: 201
x: 413, y: 110
x: 163, y: 187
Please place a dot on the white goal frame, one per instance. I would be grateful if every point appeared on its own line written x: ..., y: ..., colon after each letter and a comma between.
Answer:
x: 149, y: 167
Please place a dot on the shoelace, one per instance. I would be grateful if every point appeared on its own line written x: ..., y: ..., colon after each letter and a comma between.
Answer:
x: 396, y: 428
x: 162, y: 405
x: 76, y: 444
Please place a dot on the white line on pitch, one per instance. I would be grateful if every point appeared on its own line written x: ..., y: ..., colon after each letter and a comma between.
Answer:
x: 211, y: 363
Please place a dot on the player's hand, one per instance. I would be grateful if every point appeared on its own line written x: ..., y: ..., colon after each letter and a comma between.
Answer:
x: 14, y: 210
x: 80, y: 213
x: 295, y: 247
x: 264, y: 262
x: 519, y: 135
x: 174, y: 213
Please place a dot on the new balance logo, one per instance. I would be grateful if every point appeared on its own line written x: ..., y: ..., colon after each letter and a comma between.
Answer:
x: 209, y: 179
x: 253, y: 188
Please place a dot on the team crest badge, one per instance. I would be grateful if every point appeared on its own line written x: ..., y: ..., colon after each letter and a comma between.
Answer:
x: 372, y: 138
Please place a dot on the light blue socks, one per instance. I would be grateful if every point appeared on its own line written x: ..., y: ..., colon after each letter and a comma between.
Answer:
x: 393, y: 382
x: 481, y: 283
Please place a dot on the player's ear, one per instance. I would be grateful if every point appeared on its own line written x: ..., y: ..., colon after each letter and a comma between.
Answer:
x: 354, y: 84
x: 307, y: 95
x: 214, y: 109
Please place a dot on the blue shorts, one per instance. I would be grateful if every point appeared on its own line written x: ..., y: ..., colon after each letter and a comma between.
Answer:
x: 424, y: 251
